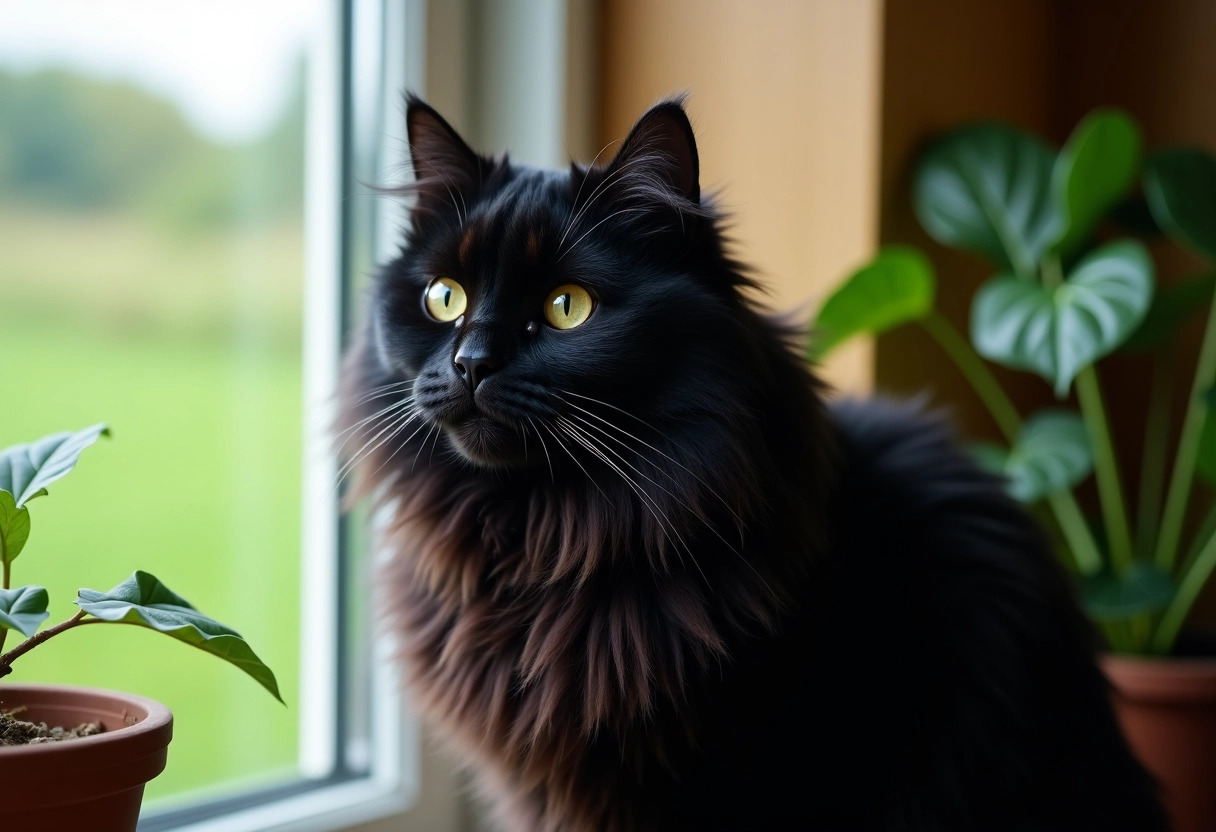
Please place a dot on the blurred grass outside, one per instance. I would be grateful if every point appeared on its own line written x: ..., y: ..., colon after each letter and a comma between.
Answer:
x: 181, y: 330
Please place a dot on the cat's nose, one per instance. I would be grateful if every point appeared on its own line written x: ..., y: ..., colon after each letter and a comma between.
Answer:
x: 474, y: 367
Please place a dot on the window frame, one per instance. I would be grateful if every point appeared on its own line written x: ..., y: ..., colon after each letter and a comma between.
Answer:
x: 362, y: 762
x: 347, y: 777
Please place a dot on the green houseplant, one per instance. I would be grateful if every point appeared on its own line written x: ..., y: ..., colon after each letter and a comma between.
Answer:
x: 101, y: 776
x: 1063, y: 294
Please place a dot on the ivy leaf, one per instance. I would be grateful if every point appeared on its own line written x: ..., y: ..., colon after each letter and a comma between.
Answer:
x: 1144, y: 587
x: 27, y: 470
x: 14, y: 528
x: 1180, y: 185
x: 145, y: 601
x: 1052, y: 453
x: 1096, y: 167
x: 1171, y: 307
x: 23, y: 609
x: 1057, y: 332
x: 987, y: 189
x: 895, y: 287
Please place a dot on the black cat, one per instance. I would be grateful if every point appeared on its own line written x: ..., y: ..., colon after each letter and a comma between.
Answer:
x: 648, y: 579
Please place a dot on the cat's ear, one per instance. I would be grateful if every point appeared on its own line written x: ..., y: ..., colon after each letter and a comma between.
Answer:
x: 443, y: 163
x: 659, y: 157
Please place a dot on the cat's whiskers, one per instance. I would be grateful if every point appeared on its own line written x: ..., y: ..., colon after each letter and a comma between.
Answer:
x: 638, y: 439
x: 448, y: 185
x: 574, y: 205
x: 696, y: 512
x: 545, y: 448
x: 395, y: 424
x: 700, y: 516
x: 574, y: 245
x: 599, y: 190
x: 400, y: 445
x: 340, y: 441
x: 384, y: 390
x: 570, y: 454
x: 648, y: 501
x: 421, y: 445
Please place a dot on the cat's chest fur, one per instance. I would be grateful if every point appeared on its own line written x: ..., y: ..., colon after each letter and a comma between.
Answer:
x: 564, y: 686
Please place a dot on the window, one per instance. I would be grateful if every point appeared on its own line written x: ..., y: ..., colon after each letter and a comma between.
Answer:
x: 157, y: 275
x: 185, y: 224
x: 151, y: 223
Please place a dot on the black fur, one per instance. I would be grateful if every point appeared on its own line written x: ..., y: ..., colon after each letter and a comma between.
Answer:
x: 793, y: 617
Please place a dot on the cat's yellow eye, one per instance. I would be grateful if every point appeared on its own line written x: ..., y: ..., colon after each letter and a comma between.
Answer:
x: 445, y: 299
x: 568, y: 306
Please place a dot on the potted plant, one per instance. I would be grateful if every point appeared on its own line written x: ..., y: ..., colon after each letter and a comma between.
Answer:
x: 77, y: 756
x: 1064, y: 294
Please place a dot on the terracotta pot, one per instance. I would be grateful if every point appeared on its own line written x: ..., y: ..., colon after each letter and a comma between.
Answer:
x: 95, y: 781
x: 1167, y: 708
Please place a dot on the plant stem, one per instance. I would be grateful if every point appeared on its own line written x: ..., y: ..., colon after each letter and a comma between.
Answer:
x: 1188, y: 449
x: 6, y: 661
x: 1156, y: 449
x: 976, y: 372
x: 1194, y: 575
x: 1106, y: 470
x: 4, y: 632
x: 1072, y: 523
x: 1076, y: 531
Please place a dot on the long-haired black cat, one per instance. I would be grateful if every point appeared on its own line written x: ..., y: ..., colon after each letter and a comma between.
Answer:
x: 647, y: 579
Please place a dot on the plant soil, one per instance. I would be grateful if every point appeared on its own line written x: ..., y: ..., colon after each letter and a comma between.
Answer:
x: 14, y: 731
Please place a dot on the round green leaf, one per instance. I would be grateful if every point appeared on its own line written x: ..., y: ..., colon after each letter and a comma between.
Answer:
x: 146, y: 602
x: 987, y: 189
x: 1052, y: 454
x: 1144, y: 587
x: 895, y: 287
x: 1057, y: 332
x: 1171, y: 307
x: 14, y: 528
x: 1096, y: 167
x: 27, y: 470
x: 1181, y: 188
x: 23, y: 609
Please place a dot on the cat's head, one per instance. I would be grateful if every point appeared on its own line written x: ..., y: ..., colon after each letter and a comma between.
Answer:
x: 527, y: 305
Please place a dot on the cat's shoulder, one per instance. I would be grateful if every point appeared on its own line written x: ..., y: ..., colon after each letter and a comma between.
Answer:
x: 900, y: 447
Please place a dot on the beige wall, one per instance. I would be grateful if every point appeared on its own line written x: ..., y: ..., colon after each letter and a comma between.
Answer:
x: 784, y: 99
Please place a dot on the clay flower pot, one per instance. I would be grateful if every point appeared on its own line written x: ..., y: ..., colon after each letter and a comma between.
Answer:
x: 1167, y: 708
x: 95, y: 782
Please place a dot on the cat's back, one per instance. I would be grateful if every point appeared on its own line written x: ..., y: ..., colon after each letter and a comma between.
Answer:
x: 953, y: 639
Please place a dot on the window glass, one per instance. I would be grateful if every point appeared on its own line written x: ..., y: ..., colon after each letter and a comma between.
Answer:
x: 151, y: 271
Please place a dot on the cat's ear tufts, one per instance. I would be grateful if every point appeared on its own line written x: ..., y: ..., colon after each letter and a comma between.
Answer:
x: 661, y: 148
x: 443, y: 163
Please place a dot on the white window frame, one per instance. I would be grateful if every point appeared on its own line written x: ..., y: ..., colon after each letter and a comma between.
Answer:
x: 523, y: 70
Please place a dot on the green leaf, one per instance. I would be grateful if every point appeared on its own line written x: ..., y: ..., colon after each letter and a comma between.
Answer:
x: 14, y: 528
x: 987, y: 189
x: 1057, y: 332
x: 145, y: 601
x: 1052, y: 454
x: 23, y: 609
x: 1144, y: 587
x: 27, y: 470
x: 895, y: 287
x: 1171, y: 307
x: 1181, y: 188
x: 1096, y: 167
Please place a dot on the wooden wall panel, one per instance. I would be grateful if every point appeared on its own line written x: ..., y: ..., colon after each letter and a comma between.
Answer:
x: 784, y: 98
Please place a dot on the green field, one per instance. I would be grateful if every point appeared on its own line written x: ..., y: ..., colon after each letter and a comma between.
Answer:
x: 189, y: 349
